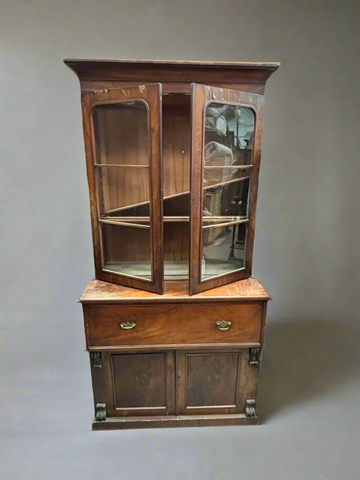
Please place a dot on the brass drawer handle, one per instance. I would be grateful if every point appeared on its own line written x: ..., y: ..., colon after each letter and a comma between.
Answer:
x: 127, y: 325
x: 223, y: 325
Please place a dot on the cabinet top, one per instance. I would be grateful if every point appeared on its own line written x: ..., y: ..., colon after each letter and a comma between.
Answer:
x: 174, y: 70
x: 175, y: 292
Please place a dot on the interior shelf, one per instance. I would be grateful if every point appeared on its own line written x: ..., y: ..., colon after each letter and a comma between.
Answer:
x: 143, y: 220
x: 115, y: 165
x: 169, y: 197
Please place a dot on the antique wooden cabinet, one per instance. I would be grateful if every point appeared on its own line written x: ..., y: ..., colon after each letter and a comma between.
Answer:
x: 174, y: 322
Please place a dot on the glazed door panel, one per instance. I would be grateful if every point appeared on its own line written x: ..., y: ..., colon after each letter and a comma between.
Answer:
x: 215, y: 381
x: 122, y: 129
x: 225, y: 161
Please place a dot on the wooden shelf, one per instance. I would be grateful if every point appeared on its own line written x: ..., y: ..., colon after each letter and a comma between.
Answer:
x: 226, y: 224
x: 227, y: 182
x: 140, y: 204
x: 168, y: 197
x: 219, y: 167
x: 141, y: 221
x: 123, y: 223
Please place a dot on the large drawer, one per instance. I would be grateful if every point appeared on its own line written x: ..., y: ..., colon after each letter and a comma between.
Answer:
x: 176, y: 325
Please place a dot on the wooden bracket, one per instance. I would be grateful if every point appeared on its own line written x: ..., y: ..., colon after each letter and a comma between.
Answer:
x: 96, y: 359
x: 100, y: 412
x: 254, y: 356
x: 250, y: 409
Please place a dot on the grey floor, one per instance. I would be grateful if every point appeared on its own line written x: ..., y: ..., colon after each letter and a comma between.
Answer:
x: 306, y: 243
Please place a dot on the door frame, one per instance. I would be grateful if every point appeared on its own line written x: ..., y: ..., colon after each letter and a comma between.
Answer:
x: 149, y: 94
x: 202, y: 95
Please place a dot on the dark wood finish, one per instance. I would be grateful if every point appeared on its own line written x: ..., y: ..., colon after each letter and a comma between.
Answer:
x: 140, y: 384
x: 173, y: 325
x: 170, y: 88
x: 105, y: 82
x: 156, y: 364
x: 176, y: 76
x: 214, y: 381
x: 139, y: 381
x: 173, y: 359
x: 117, y: 423
x: 151, y: 95
x: 201, y: 96
x: 247, y: 290
x: 176, y: 144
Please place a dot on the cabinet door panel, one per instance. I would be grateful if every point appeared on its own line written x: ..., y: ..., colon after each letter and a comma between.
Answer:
x: 225, y: 161
x: 136, y: 384
x: 122, y: 131
x: 211, y: 379
x: 215, y: 381
x: 139, y: 381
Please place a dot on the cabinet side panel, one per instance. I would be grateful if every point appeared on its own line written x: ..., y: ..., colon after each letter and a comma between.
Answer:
x: 248, y: 381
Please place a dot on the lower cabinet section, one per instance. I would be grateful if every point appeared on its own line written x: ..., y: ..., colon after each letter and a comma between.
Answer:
x: 207, y: 386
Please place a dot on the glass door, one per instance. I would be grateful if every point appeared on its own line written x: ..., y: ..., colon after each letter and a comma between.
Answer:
x: 124, y: 173
x: 225, y: 160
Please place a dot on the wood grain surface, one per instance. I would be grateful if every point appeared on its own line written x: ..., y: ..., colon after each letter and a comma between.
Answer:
x: 181, y: 72
x: 174, y: 325
x: 246, y: 290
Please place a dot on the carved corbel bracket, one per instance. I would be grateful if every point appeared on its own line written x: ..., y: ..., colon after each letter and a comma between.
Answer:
x: 100, y: 412
x: 96, y: 359
x: 250, y: 408
x: 254, y: 356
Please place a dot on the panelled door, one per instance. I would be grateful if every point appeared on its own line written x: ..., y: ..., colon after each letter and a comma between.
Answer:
x: 202, y: 381
x: 122, y: 129
x: 136, y: 383
x: 214, y: 381
x: 225, y: 160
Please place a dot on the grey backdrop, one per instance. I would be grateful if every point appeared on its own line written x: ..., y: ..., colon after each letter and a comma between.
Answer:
x: 306, y: 249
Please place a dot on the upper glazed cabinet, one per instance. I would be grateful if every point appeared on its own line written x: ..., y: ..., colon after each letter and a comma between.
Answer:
x: 173, y: 152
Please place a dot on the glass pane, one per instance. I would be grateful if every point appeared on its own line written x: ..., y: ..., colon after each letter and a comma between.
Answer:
x: 223, y: 250
x: 229, y: 132
x: 121, y: 133
x: 127, y: 250
x: 226, y: 203
x: 215, y: 176
x: 135, y: 215
x: 123, y: 188
x: 140, y: 211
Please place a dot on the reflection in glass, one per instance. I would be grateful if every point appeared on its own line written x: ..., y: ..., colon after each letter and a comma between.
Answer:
x: 229, y: 135
x: 229, y: 138
x: 121, y: 133
x: 226, y: 203
x: 127, y: 250
x: 223, y: 250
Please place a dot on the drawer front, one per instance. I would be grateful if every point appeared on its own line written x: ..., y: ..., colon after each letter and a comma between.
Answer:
x: 173, y: 325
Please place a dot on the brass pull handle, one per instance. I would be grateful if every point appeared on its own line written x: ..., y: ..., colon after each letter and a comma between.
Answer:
x: 223, y: 325
x: 127, y: 325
